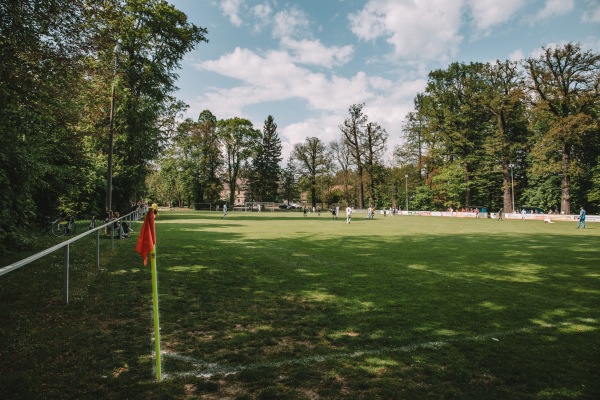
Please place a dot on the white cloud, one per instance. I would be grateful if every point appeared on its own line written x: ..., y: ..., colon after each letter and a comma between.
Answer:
x: 489, y: 13
x: 592, y: 15
x: 516, y: 55
x: 292, y: 22
x: 313, y: 52
x: 262, y: 12
x: 278, y: 77
x: 231, y: 9
x: 417, y: 30
x: 553, y: 8
x: 274, y: 76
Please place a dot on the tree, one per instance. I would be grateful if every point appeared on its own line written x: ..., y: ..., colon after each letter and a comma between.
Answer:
x: 238, y: 138
x: 43, y: 162
x: 341, y: 153
x: 352, y: 135
x: 565, y: 83
x: 155, y: 36
x: 503, y: 95
x: 456, y: 125
x: 289, y: 182
x: 312, y: 158
x: 197, y: 147
x: 413, y: 149
x: 265, y: 170
x: 375, y: 138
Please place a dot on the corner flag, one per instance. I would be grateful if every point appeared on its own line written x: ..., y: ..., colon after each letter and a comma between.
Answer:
x: 146, y: 246
x: 147, y: 238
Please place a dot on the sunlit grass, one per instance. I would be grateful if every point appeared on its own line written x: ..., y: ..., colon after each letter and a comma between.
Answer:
x: 274, y: 305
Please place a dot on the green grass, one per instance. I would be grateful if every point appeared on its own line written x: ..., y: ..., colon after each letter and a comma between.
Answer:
x: 277, y: 306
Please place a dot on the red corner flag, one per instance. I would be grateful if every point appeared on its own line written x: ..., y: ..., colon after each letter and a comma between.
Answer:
x: 147, y: 238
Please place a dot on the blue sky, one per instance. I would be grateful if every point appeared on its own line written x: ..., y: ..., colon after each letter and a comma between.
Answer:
x: 306, y: 61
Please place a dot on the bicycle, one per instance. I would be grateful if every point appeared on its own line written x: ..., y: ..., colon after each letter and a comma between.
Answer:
x: 55, y: 227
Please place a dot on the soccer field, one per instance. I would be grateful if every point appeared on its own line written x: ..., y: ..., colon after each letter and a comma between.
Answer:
x: 278, y: 306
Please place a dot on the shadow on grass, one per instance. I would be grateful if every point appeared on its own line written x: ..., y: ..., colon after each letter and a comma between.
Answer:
x: 309, y: 311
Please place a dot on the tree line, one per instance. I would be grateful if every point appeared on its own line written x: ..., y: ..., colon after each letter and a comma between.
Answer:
x: 477, y: 131
x: 501, y: 135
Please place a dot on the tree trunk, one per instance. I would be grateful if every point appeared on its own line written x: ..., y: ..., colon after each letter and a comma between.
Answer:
x: 565, y: 201
x: 506, y: 188
x: 361, y: 190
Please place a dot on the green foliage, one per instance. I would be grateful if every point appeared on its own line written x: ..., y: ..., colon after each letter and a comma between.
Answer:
x: 479, y: 116
x: 312, y: 160
x: 55, y: 77
x: 238, y: 137
x: 289, y: 182
x: 264, y: 174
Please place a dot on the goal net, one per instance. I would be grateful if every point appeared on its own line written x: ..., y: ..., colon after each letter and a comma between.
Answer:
x: 259, y: 206
x: 203, y: 206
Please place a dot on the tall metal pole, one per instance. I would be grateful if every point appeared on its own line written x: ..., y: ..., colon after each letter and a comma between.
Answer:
x: 111, y: 133
x: 512, y: 183
x: 406, y: 190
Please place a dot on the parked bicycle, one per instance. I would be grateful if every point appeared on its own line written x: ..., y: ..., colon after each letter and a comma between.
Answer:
x: 54, y: 227
x: 61, y: 226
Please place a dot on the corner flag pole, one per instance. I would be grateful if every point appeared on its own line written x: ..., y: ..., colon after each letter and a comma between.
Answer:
x: 155, y: 311
x: 146, y: 246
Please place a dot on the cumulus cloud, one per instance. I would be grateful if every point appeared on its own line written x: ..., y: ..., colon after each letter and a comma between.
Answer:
x: 231, y: 9
x: 417, y: 31
x: 553, y: 8
x: 292, y: 22
x: 516, y: 55
x: 489, y: 13
x: 262, y: 13
x: 313, y: 52
x: 275, y: 76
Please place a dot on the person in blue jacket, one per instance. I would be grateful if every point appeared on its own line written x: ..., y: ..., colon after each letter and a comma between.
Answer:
x: 581, y: 218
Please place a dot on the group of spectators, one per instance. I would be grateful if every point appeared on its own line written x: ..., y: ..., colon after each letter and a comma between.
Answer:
x: 119, y: 226
x: 122, y: 228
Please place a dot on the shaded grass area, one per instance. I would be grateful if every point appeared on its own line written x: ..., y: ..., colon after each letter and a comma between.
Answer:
x: 277, y: 306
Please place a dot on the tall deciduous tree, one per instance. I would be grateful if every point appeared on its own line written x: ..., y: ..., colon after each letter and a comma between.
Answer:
x: 352, y: 134
x: 457, y: 125
x: 341, y: 153
x: 238, y: 138
x: 197, y: 147
x: 375, y: 138
x: 155, y: 37
x: 311, y: 156
x: 566, y: 83
x: 503, y: 95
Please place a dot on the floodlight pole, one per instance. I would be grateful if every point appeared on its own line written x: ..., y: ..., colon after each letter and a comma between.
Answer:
x: 512, y: 183
x: 111, y: 133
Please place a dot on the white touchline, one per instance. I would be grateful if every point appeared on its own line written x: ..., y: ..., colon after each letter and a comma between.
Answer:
x: 203, y: 369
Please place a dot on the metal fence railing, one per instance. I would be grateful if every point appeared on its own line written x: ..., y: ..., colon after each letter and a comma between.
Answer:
x: 131, y: 217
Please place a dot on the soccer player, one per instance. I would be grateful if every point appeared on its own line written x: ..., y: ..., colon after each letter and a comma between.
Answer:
x: 348, y: 214
x: 581, y: 218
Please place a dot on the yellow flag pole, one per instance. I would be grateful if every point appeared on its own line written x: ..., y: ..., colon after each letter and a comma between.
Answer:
x: 155, y: 309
